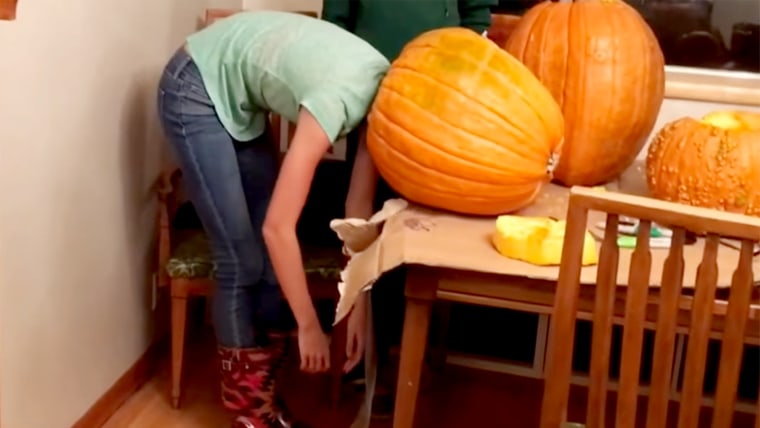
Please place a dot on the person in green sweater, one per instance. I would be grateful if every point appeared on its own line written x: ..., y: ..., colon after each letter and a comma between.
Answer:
x: 388, y: 26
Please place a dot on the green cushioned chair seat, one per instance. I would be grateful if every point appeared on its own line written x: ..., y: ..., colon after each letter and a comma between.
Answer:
x: 191, y: 255
x: 191, y: 258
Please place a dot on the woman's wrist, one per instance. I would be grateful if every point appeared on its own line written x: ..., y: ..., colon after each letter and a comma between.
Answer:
x: 308, y: 321
x: 284, y: 252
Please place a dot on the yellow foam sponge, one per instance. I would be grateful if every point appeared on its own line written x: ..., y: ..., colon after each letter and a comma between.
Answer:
x: 537, y: 240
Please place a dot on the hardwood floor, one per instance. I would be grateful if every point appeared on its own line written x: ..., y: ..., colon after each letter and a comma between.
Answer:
x: 458, y: 397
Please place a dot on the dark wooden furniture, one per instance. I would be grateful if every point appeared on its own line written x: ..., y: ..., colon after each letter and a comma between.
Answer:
x: 426, y: 285
x: 735, y: 313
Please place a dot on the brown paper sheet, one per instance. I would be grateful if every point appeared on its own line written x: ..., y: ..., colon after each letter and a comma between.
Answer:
x: 416, y: 235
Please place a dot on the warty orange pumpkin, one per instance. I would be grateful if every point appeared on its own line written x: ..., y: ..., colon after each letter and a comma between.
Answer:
x: 713, y: 162
x: 602, y: 63
x: 459, y: 124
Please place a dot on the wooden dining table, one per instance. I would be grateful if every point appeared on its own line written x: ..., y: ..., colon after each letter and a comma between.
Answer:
x: 426, y: 285
x: 450, y: 258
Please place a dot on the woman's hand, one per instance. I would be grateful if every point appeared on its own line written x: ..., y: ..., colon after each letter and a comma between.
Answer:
x: 314, y: 349
x: 357, y: 328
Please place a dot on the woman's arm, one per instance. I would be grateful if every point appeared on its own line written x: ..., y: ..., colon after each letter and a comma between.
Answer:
x: 309, y: 144
x: 359, y: 204
x: 364, y: 176
x: 476, y: 14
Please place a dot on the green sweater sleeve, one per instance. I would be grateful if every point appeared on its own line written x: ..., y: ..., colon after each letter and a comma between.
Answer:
x: 474, y: 14
x: 340, y: 13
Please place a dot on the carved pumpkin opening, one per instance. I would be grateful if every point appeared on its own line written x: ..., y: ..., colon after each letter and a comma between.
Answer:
x: 733, y: 121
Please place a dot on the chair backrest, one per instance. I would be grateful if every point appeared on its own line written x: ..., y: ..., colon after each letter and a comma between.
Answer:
x: 169, y: 199
x: 680, y: 218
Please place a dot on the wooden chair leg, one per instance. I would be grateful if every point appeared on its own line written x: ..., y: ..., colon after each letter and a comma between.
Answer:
x: 179, y: 325
x: 338, y: 358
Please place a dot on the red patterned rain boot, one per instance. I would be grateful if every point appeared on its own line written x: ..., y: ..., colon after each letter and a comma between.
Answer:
x: 248, y: 387
x: 279, y: 346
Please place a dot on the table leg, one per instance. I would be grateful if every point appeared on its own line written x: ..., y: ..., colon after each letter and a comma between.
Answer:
x: 421, y: 285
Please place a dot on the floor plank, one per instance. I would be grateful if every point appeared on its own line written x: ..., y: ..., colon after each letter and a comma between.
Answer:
x: 458, y: 397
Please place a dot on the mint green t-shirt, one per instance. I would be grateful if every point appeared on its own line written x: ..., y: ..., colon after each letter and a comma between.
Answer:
x: 256, y: 62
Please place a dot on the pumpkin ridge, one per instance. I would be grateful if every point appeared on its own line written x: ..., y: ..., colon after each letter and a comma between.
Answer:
x: 448, y: 86
x: 415, y: 167
x: 510, y: 151
x: 607, y: 151
x: 494, y: 171
x: 523, y: 134
x: 412, y: 177
x: 603, y: 150
x: 566, y: 72
x: 571, y: 89
x: 515, y: 64
x: 463, y: 131
x: 497, y: 118
x: 586, y: 54
x: 639, y: 103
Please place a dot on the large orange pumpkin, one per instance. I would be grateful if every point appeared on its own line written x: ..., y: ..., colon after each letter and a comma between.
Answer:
x: 604, y: 66
x: 459, y: 124
x: 713, y: 162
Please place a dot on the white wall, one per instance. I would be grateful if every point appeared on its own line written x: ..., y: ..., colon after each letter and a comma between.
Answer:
x: 289, y: 5
x: 79, y: 150
x: 728, y: 12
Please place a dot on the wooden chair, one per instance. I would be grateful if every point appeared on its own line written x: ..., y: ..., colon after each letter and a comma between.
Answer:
x: 736, y: 312
x: 186, y: 268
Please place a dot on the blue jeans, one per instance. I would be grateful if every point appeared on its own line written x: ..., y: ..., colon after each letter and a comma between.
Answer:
x: 230, y: 184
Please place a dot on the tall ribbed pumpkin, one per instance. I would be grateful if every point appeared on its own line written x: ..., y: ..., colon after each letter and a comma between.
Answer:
x: 602, y: 63
x: 459, y: 124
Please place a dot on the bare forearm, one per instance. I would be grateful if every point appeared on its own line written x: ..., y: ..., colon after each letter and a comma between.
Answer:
x: 361, y: 190
x: 362, y: 208
x: 285, y: 253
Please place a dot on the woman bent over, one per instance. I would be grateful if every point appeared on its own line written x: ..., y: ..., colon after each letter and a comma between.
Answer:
x: 214, y: 98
